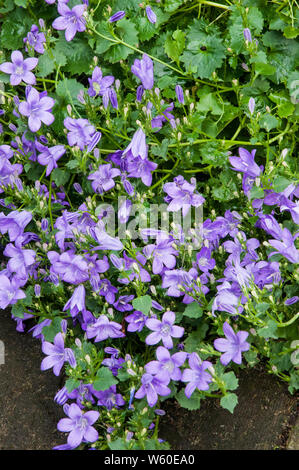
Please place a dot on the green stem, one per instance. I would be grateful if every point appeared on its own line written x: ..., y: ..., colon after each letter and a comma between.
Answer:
x: 213, y: 4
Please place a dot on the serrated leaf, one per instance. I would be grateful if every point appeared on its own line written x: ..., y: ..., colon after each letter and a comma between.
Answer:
x: 46, y: 65
x: 192, y: 403
x: 71, y: 384
x: 104, y: 379
x: 143, y: 304
x: 229, y: 402
x: 60, y: 177
x: 193, y: 310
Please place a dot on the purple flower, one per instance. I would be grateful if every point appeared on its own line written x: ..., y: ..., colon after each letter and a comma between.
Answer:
x: 124, y: 211
x: 181, y: 195
x: 167, y: 365
x: 76, y: 303
x: 37, y: 108
x: 144, y: 70
x: 247, y: 35
x: 152, y: 386
x: 103, y: 329
x: 137, y: 147
x: 286, y: 246
x: 136, y: 321
x: 57, y: 355
x: 152, y: 17
x: 204, y: 260
x: 119, y: 15
x: 292, y: 300
x: 196, y: 375
x: 245, y: 163
x: 9, y: 292
x: 122, y: 304
x: 81, y: 132
x: 14, y: 223
x: 139, y: 93
x: 99, y: 85
x: 109, y: 398
x: 71, y: 20
x: 139, y: 168
x: 35, y: 39
x: 49, y: 156
x: 179, y: 94
x: 163, y: 330
x: 79, y: 425
x: 69, y: 267
x: 251, y: 105
x: 19, y: 69
x: 233, y: 346
x: 103, y: 178
x: 164, y: 255
x: 20, y: 259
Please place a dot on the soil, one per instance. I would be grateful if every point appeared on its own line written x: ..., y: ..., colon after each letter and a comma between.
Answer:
x: 263, y: 419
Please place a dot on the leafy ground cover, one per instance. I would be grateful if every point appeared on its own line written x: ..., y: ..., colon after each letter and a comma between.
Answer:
x: 149, y: 187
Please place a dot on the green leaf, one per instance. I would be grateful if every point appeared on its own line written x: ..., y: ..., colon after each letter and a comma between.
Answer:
x: 264, y: 69
x: 230, y: 380
x: 268, y: 122
x: 51, y: 331
x: 118, y: 444
x: 143, y: 304
x: 68, y: 89
x: 193, y: 310
x: 60, y: 177
x: 104, y: 379
x: 194, y: 339
x: 174, y: 45
x: 204, y: 49
x: 269, y: 331
x: 280, y: 183
x: 229, y: 402
x: 256, y: 193
x: 192, y: 403
x: 21, y: 3
x: 46, y: 65
x: 71, y: 384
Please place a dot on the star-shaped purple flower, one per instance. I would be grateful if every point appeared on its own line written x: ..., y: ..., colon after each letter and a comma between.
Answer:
x: 37, y: 108
x: 196, y: 375
x: 57, y: 355
x: 167, y: 365
x: 163, y: 330
x: 233, y: 346
x: 79, y: 425
x: 152, y: 386
x: 103, y: 329
x: 49, y: 156
x: 71, y: 20
x: 20, y: 69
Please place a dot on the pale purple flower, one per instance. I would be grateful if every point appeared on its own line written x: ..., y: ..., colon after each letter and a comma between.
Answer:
x: 251, y: 105
x: 122, y: 304
x: 20, y: 69
x: 9, y: 291
x: 69, y: 267
x: 57, y: 355
x: 166, y: 364
x: 37, y: 108
x: 292, y: 300
x: 196, y: 375
x: 247, y: 35
x: 204, y: 260
x: 136, y: 321
x: 151, y: 15
x: 163, y: 330
x: 109, y: 398
x: 14, y: 223
x: 79, y: 425
x: 76, y: 303
x: 232, y: 346
x: 81, y: 132
x: 144, y: 70
x: 180, y: 195
x: 35, y: 39
x: 103, y: 329
x: 49, y: 156
x: 286, y: 246
x: 163, y: 255
x: 71, y: 20
x: 179, y: 94
x: 141, y: 168
x: 99, y: 85
x: 245, y: 163
x: 137, y: 147
x: 124, y: 211
x: 103, y: 178
x: 119, y: 15
x: 152, y: 386
x: 20, y: 259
